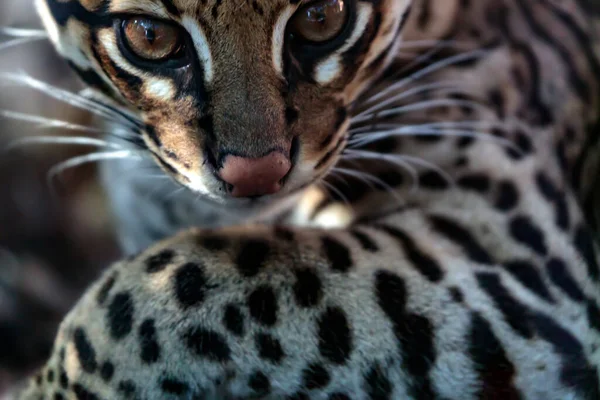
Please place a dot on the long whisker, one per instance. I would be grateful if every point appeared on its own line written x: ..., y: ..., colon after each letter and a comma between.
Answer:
x: 22, y: 32
x: 419, y: 106
x: 17, y: 42
x: 365, y: 177
x: 357, y: 154
x: 64, y: 96
x: 89, y: 158
x: 366, y: 138
x: 353, y: 154
x: 45, y: 122
x: 66, y: 140
x: 451, y: 86
x: 467, y: 124
x: 422, y: 73
x: 331, y: 188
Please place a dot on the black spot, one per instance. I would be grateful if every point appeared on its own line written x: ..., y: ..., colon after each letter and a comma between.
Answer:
x: 127, y: 389
x: 85, y: 352
x: 335, y: 338
x: 495, y: 371
x: 252, y: 256
x: 50, y: 375
x: 308, y: 289
x: 524, y: 146
x: 298, y: 396
x: 515, y: 313
x: 508, y: 196
x: 365, y: 241
x: 529, y: 276
x: 262, y: 303
x: 150, y: 350
x: 426, y: 265
x: 525, y: 232
x: 462, y: 237
x: 120, y: 315
x: 259, y: 383
x: 378, y: 386
x: 475, y: 182
x: 58, y: 396
x: 593, y: 314
x: 214, y: 242
x: 315, y: 376
x: 433, y: 181
x: 190, y: 285
x: 269, y: 348
x: 233, y: 319
x: 107, y: 370
x: 159, y: 261
x: 83, y: 393
x: 414, y: 333
x: 457, y: 294
x: 585, y: 246
x: 338, y: 254
x: 208, y: 344
x: 105, y: 288
x: 63, y: 379
x: 559, y: 275
x: 173, y: 386
x: 338, y: 396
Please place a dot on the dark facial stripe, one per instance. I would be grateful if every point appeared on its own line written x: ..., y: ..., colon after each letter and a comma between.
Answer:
x: 171, y: 8
x: 62, y: 11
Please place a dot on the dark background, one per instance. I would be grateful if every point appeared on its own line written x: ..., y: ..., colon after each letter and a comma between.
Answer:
x: 51, y: 246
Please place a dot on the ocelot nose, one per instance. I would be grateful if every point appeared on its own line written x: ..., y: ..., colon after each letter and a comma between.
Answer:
x: 250, y: 177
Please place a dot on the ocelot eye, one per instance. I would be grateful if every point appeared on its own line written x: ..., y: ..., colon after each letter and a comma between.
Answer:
x: 153, y: 40
x: 320, y: 21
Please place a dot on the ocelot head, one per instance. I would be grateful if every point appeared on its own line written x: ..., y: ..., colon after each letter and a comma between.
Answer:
x: 238, y: 100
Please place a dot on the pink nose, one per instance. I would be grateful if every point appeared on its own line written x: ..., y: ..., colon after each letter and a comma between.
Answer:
x: 248, y: 177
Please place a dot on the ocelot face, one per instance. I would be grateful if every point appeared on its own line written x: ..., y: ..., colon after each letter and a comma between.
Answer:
x: 238, y: 99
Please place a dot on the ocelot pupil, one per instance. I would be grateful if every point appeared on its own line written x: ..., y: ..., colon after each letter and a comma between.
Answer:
x: 150, y: 35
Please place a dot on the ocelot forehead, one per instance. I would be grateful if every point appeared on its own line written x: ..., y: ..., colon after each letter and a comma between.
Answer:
x: 231, y: 32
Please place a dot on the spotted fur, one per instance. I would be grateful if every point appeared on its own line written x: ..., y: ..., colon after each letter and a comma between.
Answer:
x: 482, y: 282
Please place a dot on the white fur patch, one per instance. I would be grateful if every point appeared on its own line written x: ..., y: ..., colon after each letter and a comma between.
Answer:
x: 328, y: 69
x: 278, y: 38
x: 201, y: 45
x: 161, y: 88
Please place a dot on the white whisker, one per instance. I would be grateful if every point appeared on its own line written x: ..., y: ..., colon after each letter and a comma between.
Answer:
x: 422, y: 73
x: 22, y: 32
x: 467, y: 124
x: 352, y: 154
x: 358, y: 154
x: 45, y: 122
x: 17, y: 42
x: 67, y: 140
x: 331, y: 188
x: 89, y: 158
x: 445, y: 87
x: 64, y: 96
x: 366, y: 177
x: 419, y: 106
x: 416, y: 130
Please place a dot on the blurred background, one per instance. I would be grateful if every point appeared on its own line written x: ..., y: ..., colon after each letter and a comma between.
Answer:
x: 54, y: 239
